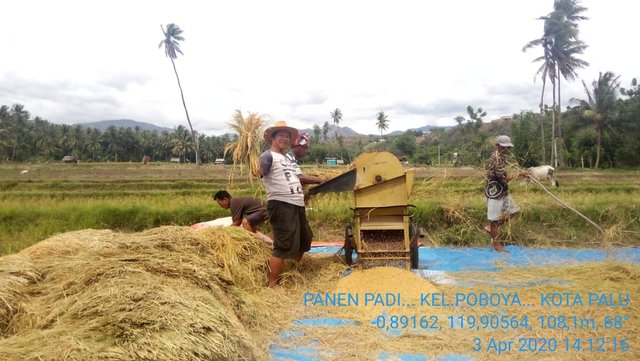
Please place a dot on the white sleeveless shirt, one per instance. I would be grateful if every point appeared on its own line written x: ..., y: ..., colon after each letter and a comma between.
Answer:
x: 280, y: 179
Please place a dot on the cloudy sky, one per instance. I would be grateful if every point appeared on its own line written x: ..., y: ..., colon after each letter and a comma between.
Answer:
x: 421, y: 62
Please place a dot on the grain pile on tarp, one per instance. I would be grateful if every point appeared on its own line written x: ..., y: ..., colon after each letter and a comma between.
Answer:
x: 373, y: 334
x: 382, y: 289
x: 170, y: 293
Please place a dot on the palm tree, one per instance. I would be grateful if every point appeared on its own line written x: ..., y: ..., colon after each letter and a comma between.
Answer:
x: 94, y: 142
x: 599, y: 104
x: 317, y: 132
x: 43, y: 136
x: 325, y: 131
x: 181, y: 143
x: 336, y: 115
x: 543, y: 72
x: 563, y: 26
x: 382, y: 122
x: 560, y: 46
x: 171, y: 49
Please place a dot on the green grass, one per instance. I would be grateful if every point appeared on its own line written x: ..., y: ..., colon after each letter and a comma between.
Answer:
x: 58, y: 198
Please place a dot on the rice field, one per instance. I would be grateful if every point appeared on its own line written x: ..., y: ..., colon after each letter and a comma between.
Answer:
x: 99, y: 264
x: 53, y: 198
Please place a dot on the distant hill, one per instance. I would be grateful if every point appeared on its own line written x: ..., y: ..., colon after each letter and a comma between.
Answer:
x: 130, y: 123
x: 348, y: 132
x: 124, y: 123
x: 426, y: 129
x: 344, y: 131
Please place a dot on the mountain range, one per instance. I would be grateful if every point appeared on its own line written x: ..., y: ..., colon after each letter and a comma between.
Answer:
x: 130, y: 123
x: 124, y: 123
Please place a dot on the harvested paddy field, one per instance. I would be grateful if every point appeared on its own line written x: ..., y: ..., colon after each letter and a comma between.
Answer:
x: 99, y: 263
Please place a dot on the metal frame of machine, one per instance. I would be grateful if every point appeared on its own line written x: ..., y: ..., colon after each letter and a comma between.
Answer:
x: 381, y: 232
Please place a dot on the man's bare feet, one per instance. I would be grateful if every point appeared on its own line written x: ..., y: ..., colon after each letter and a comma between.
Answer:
x: 497, y: 246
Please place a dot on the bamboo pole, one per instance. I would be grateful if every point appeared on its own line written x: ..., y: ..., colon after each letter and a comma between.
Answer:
x: 565, y: 204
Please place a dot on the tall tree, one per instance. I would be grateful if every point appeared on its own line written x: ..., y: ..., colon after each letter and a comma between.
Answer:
x: 172, y: 37
x: 336, y: 115
x: 599, y: 105
x: 325, y: 131
x: 560, y: 46
x: 316, y: 133
x: 543, y: 72
x: 382, y: 122
x: 563, y: 26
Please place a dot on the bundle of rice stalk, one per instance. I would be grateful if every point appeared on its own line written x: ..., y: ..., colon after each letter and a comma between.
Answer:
x: 15, y: 272
x: 245, y: 151
x: 170, y: 293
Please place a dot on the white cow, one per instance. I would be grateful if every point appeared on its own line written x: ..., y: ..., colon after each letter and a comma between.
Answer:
x: 544, y: 171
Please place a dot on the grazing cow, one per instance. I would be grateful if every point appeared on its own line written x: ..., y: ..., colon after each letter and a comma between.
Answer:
x: 544, y: 171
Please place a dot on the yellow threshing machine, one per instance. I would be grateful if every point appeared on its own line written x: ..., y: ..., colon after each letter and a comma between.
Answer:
x: 381, y: 232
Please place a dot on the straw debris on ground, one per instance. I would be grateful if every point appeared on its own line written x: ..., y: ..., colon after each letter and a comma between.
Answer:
x: 174, y: 293
x: 170, y: 293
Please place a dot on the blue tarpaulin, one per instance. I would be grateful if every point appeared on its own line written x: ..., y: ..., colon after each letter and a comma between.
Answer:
x: 441, y: 264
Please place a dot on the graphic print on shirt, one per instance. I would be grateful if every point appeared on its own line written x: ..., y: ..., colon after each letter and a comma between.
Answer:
x: 290, y: 175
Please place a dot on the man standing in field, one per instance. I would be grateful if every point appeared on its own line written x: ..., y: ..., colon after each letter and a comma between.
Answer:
x: 500, y: 205
x: 285, y: 201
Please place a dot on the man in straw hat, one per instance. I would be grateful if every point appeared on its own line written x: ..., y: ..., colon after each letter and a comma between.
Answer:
x: 285, y: 201
x: 500, y: 205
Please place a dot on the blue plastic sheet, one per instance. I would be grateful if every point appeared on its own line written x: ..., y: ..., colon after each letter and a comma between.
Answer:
x: 441, y: 264
x: 451, y: 259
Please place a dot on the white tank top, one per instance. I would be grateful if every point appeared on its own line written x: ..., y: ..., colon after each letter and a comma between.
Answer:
x: 280, y: 180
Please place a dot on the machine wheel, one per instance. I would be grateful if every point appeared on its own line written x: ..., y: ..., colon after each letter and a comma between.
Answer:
x: 413, y: 248
x: 348, y: 248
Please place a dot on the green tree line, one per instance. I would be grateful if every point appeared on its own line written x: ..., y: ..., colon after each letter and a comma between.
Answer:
x: 601, y: 130
x: 27, y: 139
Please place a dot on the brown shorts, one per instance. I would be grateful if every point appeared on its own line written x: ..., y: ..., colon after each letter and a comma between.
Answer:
x: 291, y: 231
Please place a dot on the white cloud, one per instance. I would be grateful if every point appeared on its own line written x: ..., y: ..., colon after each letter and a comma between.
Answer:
x: 420, y: 62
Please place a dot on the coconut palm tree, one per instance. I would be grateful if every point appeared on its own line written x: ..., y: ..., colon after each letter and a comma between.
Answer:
x: 599, y: 104
x: 560, y: 46
x: 325, y: 131
x: 562, y: 24
x: 172, y: 37
x: 543, y: 72
x: 317, y: 131
x: 382, y: 122
x: 336, y: 115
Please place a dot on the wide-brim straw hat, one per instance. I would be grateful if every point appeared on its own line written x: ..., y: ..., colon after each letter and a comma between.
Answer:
x: 280, y: 125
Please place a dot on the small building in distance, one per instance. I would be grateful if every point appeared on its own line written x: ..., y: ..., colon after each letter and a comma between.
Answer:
x: 333, y: 161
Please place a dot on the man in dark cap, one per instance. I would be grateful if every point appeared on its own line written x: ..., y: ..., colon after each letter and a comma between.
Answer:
x: 500, y: 206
